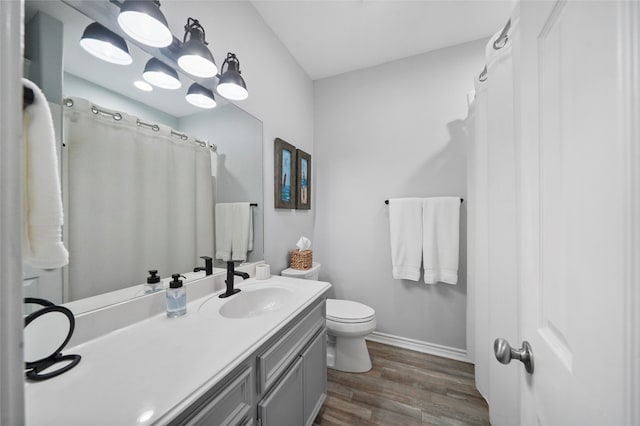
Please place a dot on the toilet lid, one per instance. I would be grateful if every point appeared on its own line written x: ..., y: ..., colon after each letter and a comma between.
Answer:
x: 300, y: 273
x: 347, y: 311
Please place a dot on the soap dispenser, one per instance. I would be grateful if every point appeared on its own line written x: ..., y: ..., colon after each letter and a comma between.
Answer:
x: 176, y: 297
x: 153, y: 282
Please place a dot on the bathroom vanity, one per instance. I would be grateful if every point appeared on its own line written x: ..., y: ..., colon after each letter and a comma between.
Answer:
x: 258, y: 357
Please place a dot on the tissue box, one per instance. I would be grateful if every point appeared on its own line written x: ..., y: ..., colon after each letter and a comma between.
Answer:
x: 301, y: 259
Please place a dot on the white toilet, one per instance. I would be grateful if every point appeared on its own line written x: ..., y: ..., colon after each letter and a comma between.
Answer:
x: 348, y: 323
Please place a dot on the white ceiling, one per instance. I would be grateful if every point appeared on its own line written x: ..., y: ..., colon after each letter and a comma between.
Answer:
x: 329, y: 37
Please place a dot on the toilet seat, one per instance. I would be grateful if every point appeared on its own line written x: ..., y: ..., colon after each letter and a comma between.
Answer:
x: 349, y: 312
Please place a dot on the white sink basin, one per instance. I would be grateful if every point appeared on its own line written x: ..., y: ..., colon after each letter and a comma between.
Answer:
x: 255, y: 302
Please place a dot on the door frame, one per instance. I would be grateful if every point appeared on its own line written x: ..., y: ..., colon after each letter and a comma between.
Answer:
x: 629, y: 36
x: 11, y: 320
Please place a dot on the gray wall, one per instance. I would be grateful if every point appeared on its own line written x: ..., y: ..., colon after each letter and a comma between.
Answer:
x: 394, y: 130
x: 43, y: 44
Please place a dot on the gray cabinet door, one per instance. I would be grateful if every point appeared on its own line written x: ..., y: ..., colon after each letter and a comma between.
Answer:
x: 283, y: 406
x: 314, y: 367
x: 229, y: 406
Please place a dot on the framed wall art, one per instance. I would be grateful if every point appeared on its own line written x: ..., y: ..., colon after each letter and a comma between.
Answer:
x: 303, y: 181
x: 285, y: 174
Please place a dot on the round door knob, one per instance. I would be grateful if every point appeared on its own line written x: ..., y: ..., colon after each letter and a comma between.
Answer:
x: 502, y: 350
x: 505, y: 353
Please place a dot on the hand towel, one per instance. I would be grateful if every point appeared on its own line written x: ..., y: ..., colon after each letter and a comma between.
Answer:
x: 440, y: 240
x: 224, y: 227
x: 234, y: 231
x: 44, y: 218
x: 250, y: 244
x: 242, y: 229
x: 405, y: 223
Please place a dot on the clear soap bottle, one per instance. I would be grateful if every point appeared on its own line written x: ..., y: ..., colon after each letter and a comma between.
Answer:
x: 153, y: 282
x: 176, y: 297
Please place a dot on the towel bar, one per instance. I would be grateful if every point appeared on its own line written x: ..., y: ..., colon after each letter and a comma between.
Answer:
x: 387, y: 201
x: 27, y: 97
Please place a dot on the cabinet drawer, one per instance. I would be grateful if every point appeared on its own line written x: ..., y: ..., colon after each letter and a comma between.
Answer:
x: 275, y: 360
x: 231, y: 406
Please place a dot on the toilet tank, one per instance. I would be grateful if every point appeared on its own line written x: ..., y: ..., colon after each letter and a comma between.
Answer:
x: 308, y: 274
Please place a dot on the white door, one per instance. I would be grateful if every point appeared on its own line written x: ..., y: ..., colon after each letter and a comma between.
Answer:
x: 501, y: 215
x: 577, y: 185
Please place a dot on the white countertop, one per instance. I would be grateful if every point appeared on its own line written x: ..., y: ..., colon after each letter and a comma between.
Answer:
x: 152, y: 370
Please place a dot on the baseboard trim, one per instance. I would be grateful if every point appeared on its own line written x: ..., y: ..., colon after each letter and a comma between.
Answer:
x: 419, y: 346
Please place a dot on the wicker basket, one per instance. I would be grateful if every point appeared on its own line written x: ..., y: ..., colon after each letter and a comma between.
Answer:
x: 301, y: 259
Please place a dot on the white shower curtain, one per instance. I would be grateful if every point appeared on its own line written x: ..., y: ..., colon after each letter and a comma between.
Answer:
x: 492, y: 220
x: 136, y: 199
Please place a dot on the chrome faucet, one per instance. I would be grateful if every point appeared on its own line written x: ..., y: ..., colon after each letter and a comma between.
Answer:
x: 231, y: 273
x: 208, y: 265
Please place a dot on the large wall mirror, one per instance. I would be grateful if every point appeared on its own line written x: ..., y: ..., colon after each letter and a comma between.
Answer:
x: 53, y: 31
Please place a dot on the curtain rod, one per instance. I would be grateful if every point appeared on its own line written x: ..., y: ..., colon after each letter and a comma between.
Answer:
x: 117, y: 116
x: 387, y: 201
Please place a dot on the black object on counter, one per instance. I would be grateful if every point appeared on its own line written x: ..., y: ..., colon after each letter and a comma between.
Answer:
x: 34, y: 368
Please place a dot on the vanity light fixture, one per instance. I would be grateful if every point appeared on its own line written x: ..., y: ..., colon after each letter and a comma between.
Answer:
x: 143, y: 85
x: 195, y: 57
x: 200, y: 96
x: 105, y: 44
x: 231, y: 84
x: 143, y: 21
x: 161, y: 75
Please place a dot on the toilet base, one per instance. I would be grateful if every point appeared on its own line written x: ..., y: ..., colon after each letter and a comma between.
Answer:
x: 351, y: 355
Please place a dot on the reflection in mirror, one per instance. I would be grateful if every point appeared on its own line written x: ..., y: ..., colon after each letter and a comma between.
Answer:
x: 235, y: 169
x: 151, y: 182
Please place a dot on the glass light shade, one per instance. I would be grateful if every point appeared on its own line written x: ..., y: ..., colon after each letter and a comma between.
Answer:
x: 233, y: 91
x: 231, y: 84
x: 105, y: 44
x: 197, y: 64
x: 200, y: 96
x: 143, y: 85
x: 161, y: 75
x: 195, y: 57
x: 143, y: 21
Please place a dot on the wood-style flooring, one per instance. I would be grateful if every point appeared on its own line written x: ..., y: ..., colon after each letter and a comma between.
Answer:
x: 404, y: 387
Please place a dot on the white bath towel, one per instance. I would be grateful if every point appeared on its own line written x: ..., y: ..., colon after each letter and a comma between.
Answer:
x: 441, y: 231
x: 405, y: 223
x: 43, y: 247
x: 234, y: 227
